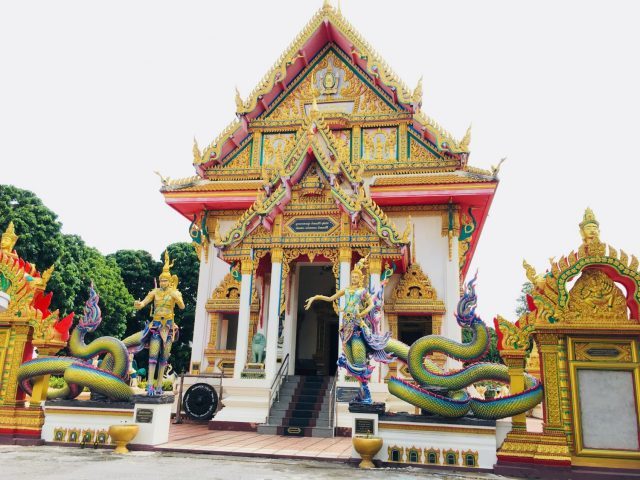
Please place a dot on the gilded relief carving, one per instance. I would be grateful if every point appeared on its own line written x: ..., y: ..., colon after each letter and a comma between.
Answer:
x: 380, y: 144
x: 596, y: 298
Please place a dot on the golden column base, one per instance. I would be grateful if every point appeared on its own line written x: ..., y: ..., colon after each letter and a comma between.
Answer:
x: 539, y: 448
x: 121, y: 435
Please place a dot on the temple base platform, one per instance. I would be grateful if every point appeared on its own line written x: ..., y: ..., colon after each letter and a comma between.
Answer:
x: 87, y: 422
x: 421, y: 440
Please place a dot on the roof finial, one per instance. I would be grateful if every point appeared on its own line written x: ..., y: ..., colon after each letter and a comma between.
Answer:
x: 239, y: 101
x: 326, y: 5
x: 495, y: 169
x: 416, y: 98
x: 466, y: 140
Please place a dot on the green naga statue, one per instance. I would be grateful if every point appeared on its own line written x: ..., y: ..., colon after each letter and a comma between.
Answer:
x: 430, y: 388
x: 160, y: 333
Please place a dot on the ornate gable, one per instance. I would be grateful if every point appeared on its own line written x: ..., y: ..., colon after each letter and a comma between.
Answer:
x: 414, y: 293
x: 338, y: 89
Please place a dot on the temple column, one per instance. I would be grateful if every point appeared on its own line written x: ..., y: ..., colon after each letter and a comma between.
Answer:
x: 244, y: 317
x: 288, y: 346
x: 375, y: 269
x: 450, y: 327
x: 515, y: 361
x: 344, y: 256
x: 274, y: 314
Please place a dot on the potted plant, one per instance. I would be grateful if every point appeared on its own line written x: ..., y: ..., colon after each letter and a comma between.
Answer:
x: 367, y: 447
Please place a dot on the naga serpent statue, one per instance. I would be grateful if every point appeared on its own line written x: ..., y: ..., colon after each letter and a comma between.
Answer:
x: 109, y: 379
x: 430, y: 388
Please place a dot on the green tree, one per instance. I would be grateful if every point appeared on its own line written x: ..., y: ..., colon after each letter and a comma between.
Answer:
x: 38, y: 227
x: 138, y: 270
x: 522, y: 306
x: 493, y: 355
x: 79, y: 265
x: 186, y: 266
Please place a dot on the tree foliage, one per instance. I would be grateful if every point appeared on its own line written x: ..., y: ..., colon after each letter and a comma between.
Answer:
x: 522, y: 306
x: 493, y: 355
x: 40, y: 241
x: 139, y: 271
x: 186, y: 266
x: 77, y: 267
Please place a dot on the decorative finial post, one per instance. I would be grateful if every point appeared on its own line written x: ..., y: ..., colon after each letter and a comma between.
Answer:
x: 466, y: 140
x: 9, y: 239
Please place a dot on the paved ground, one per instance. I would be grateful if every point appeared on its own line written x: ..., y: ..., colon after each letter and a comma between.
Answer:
x: 198, y: 438
x: 64, y: 463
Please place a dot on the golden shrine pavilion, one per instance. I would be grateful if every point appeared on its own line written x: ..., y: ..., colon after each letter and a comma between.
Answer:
x: 330, y: 159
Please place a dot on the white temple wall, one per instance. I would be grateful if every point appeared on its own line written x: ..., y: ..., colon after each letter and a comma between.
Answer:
x: 210, y: 275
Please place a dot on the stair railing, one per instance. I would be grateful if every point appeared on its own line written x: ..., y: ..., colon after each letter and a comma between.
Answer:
x: 332, y: 407
x: 274, y: 393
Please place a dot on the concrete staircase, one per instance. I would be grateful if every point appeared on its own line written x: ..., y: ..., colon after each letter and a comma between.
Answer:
x: 302, y: 409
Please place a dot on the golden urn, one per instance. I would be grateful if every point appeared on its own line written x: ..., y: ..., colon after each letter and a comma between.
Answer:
x: 123, y: 434
x: 367, y: 447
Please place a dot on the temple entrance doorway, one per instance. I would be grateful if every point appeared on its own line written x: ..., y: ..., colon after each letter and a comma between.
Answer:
x: 316, y: 328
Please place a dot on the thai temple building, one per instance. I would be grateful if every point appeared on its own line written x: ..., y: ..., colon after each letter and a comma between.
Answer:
x: 329, y: 159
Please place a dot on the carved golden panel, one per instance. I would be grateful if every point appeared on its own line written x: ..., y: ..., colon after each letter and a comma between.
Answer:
x: 379, y: 145
x: 414, y: 293
x: 595, y: 298
x: 242, y: 159
x: 590, y: 351
x: 276, y: 148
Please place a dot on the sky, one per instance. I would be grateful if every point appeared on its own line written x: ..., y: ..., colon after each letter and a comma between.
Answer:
x: 96, y: 96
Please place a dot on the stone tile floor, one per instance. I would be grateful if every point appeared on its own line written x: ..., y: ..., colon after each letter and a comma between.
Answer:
x: 198, y: 439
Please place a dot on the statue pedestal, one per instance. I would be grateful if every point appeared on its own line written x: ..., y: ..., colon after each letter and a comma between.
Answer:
x: 78, y: 422
x: 409, y: 439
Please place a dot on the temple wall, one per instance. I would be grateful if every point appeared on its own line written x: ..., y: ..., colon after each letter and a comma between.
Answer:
x: 210, y: 275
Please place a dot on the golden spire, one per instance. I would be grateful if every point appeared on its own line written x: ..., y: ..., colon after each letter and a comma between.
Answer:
x: 466, y: 140
x: 197, y: 156
x: 167, y: 265
x: 239, y: 101
x: 9, y: 239
x: 589, y: 217
x: 416, y: 98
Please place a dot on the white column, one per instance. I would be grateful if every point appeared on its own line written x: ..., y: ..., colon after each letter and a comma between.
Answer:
x: 242, y: 339
x: 375, y: 267
x: 450, y: 327
x: 210, y: 275
x: 274, y: 315
x: 344, y: 281
x: 288, y: 333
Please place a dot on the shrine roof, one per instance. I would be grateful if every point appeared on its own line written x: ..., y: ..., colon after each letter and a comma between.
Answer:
x: 327, y: 27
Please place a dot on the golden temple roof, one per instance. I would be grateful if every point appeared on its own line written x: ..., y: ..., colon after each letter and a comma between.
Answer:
x: 376, y: 68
